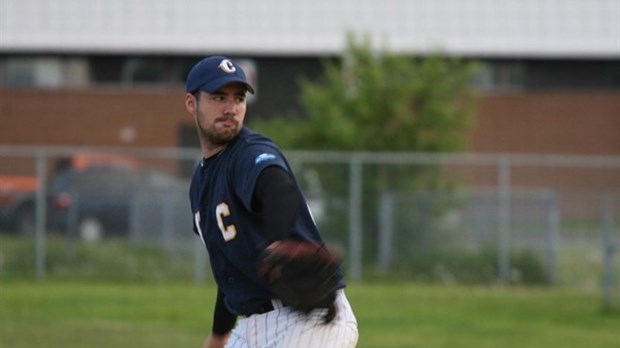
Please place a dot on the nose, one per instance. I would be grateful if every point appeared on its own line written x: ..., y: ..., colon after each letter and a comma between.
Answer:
x: 230, y: 107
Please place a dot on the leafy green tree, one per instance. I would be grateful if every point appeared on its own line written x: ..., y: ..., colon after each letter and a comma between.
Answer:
x: 380, y: 101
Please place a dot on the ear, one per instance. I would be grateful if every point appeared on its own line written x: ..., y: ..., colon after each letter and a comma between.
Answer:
x: 191, y: 104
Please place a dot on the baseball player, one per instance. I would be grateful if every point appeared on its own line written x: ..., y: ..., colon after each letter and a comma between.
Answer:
x: 249, y: 209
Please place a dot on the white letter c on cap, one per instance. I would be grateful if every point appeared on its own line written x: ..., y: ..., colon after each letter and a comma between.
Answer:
x: 227, y: 66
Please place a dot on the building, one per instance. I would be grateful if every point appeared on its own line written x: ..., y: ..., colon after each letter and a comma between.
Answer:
x: 111, y: 72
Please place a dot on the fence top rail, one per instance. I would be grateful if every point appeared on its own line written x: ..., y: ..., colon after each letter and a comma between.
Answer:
x: 60, y: 151
x: 550, y: 160
x: 545, y: 160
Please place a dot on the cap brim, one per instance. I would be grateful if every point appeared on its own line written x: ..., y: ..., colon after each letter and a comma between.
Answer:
x: 219, y: 83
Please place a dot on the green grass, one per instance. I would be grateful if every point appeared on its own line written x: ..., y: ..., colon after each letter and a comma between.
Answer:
x: 79, y: 314
x: 112, y: 261
x: 119, y: 294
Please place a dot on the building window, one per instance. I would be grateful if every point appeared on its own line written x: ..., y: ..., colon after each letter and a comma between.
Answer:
x: 500, y: 76
x: 141, y: 71
x: 44, y: 72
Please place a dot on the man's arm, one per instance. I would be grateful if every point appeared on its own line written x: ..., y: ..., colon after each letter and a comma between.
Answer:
x: 223, y: 323
x: 277, y: 199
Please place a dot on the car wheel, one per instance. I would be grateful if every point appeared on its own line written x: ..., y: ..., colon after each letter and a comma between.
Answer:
x: 91, y: 229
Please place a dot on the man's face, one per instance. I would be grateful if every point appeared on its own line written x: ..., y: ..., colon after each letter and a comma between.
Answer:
x: 219, y: 115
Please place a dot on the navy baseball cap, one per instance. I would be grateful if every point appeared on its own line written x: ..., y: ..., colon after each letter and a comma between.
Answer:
x: 213, y: 73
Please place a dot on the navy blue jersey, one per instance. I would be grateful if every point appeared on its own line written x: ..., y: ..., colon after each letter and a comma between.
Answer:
x: 221, y: 194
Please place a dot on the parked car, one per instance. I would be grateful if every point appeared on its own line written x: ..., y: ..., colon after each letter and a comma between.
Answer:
x: 17, y: 203
x: 89, y: 196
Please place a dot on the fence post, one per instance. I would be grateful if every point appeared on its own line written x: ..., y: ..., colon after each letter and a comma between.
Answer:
x: 355, y: 218
x: 553, y: 224
x: 607, y: 224
x: 503, y: 259
x: 167, y: 225
x: 386, y: 231
x: 40, y: 213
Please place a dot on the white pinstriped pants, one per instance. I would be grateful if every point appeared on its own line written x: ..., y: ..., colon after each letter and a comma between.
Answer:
x: 285, y: 328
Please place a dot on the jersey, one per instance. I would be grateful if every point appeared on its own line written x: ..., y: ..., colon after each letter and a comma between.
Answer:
x: 221, y: 193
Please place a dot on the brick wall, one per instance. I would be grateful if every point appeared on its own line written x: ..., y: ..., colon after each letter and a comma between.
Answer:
x: 543, y: 123
x: 92, y: 117
x: 548, y: 123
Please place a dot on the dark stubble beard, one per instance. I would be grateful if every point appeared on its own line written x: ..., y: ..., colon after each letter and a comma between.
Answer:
x: 217, y: 138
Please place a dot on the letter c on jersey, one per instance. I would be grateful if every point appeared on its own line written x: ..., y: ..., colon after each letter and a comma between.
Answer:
x: 229, y: 232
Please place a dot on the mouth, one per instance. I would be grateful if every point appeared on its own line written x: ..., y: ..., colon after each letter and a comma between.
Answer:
x: 227, y: 122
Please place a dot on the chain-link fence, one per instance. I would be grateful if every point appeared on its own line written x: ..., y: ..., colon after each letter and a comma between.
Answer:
x: 429, y: 217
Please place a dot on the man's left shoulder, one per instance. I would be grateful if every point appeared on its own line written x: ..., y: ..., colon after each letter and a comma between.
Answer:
x: 251, y: 137
x: 256, y: 143
x: 255, y: 149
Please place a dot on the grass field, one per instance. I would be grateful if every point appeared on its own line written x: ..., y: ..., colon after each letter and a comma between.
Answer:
x: 80, y: 314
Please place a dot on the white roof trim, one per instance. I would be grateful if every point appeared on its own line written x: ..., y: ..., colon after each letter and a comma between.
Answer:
x: 589, y: 28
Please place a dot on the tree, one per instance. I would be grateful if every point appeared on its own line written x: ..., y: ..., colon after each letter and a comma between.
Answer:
x: 379, y: 101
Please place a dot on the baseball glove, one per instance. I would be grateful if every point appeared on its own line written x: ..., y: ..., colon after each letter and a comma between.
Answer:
x: 303, y: 274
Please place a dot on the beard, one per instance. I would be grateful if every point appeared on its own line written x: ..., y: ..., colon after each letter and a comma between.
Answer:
x: 218, y: 136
